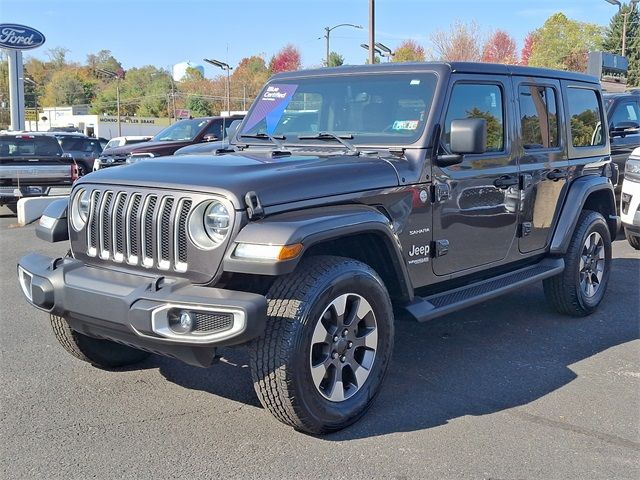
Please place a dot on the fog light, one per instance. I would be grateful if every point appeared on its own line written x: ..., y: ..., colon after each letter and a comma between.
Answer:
x: 181, y: 321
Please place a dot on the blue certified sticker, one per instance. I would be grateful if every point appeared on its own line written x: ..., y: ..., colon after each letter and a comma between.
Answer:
x: 19, y: 37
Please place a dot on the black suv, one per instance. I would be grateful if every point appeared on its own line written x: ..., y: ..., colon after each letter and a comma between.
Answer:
x: 623, y: 114
x: 429, y: 187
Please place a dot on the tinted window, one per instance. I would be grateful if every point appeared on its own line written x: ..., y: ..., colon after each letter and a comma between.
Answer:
x: 218, y: 128
x: 586, y: 118
x: 29, y: 146
x: 538, y: 117
x: 627, y: 111
x: 478, y: 101
x: 80, y: 145
x: 371, y: 109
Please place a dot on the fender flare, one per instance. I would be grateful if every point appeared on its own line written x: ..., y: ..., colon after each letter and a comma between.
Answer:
x: 579, y: 191
x: 311, y: 227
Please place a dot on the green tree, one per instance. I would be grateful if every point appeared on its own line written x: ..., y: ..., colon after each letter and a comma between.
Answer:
x: 103, y: 60
x: 335, y: 60
x: 409, y: 51
x: 563, y: 44
x: 613, y: 40
x: 198, y: 107
x: 68, y: 87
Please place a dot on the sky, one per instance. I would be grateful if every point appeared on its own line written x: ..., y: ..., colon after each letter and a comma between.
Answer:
x: 165, y: 32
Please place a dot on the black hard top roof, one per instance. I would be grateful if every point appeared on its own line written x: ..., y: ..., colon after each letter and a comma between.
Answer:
x: 444, y: 68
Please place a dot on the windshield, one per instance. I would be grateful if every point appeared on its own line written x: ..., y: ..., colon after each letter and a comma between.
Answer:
x: 385, y: 109
x: 184, y: 130
x: 23, y: 146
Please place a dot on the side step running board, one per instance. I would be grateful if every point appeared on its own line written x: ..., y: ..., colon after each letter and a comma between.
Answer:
x: 427, y: 308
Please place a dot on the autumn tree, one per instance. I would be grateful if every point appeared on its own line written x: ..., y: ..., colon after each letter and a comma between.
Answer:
x: 248, y: 78
x: 613, y: 40
x: 286, y: 60
x: 500, y: 47
x: 463, y: 42
x: 525, y: 55
x: 409, y: 51
x: 335, y: 60
x: 57, y: 57
x: 563, y: 44
x: 68, y: 87
x: 103, y: 60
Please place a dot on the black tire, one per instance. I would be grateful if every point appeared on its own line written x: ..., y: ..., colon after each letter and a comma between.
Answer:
x: 281, y: 359
x: 100, y: 353
x: 633, y: 240
x: 564, y: 291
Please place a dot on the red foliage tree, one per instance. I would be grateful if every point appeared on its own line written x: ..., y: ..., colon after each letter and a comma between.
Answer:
x: 500, y: 48
x: 286, y: 60
x: 527, y: 49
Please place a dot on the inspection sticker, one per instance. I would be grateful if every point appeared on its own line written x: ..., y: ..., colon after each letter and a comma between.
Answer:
x: 406, y: 124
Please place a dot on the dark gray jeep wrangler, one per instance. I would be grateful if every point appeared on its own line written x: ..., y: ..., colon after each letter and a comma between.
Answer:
x: 429, y: 187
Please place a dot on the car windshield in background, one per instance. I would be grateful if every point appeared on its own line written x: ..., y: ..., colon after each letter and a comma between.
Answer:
x: 366, y: 109
x: 71, y: 144
x: 184, y: 130
x: 28, y: 146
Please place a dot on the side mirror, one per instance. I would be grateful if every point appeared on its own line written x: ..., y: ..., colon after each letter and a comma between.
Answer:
x: 468, y: 136
x: 210, y: 137
x: 233, y: 128
x: 621, y: 129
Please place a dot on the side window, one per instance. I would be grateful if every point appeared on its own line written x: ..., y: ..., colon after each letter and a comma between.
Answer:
x: 538, y: 117
x: 478, y: 101
x: 215, y: 129
x: 586, y: 117
x: 627, y: 111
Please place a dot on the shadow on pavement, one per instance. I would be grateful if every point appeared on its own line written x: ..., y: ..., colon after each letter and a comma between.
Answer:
x: 495, y: 356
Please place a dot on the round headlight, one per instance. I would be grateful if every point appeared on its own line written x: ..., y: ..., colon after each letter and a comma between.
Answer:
x: 80, y: 209
x: 209, y: 224
x: 216, y: 221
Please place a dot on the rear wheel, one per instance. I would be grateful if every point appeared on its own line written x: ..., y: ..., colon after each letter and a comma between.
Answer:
x: 579, y: 289
x: 327, y: 344
x: 98, y: 352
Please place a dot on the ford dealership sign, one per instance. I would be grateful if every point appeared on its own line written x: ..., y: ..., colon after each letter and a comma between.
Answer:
x: 19, y: 37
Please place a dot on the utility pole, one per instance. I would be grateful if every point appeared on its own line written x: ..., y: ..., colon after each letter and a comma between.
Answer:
x: 372, y: 34
x: 227, y: 68
x: 327, y: 33
x: 117, y: 75
x: 625, y: 17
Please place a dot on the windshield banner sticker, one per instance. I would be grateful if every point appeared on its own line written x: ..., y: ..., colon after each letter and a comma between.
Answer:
x: 271, y: 106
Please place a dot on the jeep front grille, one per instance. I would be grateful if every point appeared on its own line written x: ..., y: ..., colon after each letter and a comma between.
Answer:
x: 148, y: 229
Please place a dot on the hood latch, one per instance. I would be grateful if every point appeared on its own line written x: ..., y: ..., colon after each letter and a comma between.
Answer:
x: 254, y: 207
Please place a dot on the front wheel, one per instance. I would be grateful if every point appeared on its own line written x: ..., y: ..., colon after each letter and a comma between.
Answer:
x: 98, y: 352
x: 327, y: 344
x: 633, y: 240
x: 580, y: 288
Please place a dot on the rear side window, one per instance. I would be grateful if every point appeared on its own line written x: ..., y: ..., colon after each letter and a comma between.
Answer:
x: 477, y: 101
x: 538, y: 117
x: 586, y: 117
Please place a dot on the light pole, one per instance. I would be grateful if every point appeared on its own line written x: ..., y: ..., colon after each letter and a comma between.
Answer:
x: 327, y: 33
x: 117, y: 76
x: 625, y: 16
x: 372, y: 33
x: 227, y: 68
x: 35, y: 96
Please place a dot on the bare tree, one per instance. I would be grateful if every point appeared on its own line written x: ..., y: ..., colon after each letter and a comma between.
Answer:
x: 463, y: 42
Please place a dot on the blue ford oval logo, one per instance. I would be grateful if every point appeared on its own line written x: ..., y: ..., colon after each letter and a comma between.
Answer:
x: 19, y: 37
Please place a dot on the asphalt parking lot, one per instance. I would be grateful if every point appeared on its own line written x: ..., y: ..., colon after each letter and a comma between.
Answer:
x: 505, y: 390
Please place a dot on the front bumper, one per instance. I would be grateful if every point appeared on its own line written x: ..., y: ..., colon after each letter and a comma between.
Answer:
x: 630, y: 203
x: 135, y: 310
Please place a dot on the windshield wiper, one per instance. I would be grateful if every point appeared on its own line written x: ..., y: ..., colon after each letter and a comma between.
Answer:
x: 275, y: 139
x: 333, y: 136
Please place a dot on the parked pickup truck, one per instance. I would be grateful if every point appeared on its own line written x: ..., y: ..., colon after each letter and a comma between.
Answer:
x: 30, y: 164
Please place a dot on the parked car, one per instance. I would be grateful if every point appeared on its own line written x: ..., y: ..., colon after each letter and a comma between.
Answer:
x: 623, y: 114
x: 427, y: 187
x: 630, y: 200
x: 211, y: 147
x: 82, y: 148
x: 180, y: 134
x: 31, y: 164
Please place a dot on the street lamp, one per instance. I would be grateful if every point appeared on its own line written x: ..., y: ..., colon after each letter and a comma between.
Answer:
x: 380, y: 49
x: 117, y: 75
x: 227, y: 68
x: 35, y: 96
x: 625, y: 16
x: 328, y: 32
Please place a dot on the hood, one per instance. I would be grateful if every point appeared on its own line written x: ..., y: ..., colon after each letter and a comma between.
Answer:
x: 150, y: 146
x: 276, y: 180
x: 199, y: 148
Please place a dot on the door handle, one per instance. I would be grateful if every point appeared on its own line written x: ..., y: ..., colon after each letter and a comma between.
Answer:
x: 506, y: 181
x: 556, y: 175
